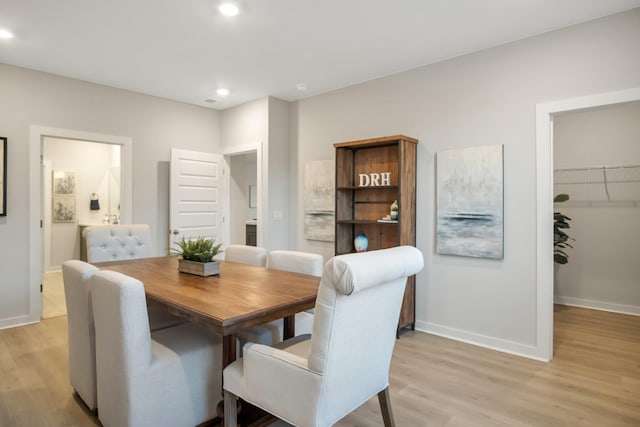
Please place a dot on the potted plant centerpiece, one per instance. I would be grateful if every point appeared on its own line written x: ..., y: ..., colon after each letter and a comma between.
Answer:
x: 197, y: 256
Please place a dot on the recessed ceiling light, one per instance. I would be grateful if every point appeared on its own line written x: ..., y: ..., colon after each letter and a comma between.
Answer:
x: 301, y: 87
x: 228, y: 9
x: 222, y: 92
x: 4, y: 34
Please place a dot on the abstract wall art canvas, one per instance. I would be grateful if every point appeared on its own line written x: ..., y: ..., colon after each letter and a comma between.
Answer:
x: 470, y: 202
x: 319, y: 200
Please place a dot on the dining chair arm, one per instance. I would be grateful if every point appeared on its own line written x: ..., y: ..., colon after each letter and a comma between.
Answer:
x: 278, y: 378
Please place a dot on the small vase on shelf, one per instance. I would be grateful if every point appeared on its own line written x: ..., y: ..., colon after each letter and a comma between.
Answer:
x: 394, y: 210
x: 361, y: 242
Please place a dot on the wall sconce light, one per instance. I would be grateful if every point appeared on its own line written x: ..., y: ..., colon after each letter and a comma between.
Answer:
x: 95, y: 203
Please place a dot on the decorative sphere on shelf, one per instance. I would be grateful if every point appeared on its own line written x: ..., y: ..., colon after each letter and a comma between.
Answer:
x: 361, y: 242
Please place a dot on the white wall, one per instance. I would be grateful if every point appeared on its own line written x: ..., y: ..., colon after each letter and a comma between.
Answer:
x: 279, y: 174
x: 603, y: 269
x: 478, y: 99
x: 154, y: 124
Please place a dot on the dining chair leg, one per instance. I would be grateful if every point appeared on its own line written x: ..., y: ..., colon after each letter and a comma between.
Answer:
x: 385, y: 407
x: 230, y: 414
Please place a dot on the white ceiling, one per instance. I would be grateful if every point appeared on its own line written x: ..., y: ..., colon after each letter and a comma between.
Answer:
x: 184, y: 49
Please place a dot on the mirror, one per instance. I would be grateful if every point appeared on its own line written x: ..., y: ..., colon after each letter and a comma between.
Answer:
x: 3, y: 176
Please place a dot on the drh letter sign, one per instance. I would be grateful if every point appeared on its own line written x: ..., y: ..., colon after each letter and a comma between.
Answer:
x: 375, y: 179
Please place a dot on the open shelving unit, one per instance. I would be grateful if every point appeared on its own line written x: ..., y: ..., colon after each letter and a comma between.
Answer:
x: 359, y: 208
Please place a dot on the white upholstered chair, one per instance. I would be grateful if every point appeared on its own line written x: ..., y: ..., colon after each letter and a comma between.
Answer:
x: 111, y: 242
x: 81, y: 331
x: 114, y: 242
x: 167, y: 378
x: 245, y: 254
x: 345, y: 362
x: 297, y: 262
x: 81, y: 335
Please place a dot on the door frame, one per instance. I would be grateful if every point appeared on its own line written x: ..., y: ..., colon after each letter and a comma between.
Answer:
x: 261, y: 197
x: 35, y: 262
x: 544, y: 211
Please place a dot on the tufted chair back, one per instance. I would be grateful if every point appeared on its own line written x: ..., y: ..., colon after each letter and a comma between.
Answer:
x: 116, y: 242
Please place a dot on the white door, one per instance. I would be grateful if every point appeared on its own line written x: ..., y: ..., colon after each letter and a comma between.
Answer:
x: 195, y: 196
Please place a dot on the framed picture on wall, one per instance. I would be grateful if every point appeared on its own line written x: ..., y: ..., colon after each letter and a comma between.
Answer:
x: 3, y: 176
x: 64, y: 183
x: 63, y: 209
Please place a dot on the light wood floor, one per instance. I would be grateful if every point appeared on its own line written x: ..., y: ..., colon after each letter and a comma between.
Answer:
x: 594, y: 379
x: 53, y: 302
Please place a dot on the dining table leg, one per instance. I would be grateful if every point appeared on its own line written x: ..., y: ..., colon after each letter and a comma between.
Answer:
x: 228, y: 349
x: 289, y: 328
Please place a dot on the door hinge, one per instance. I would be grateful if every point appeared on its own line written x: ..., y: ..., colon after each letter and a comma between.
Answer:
x: 40, y: 287
x: 40, y: 223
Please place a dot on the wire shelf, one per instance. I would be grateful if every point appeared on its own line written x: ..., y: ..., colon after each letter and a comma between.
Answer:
x: 599, y: 184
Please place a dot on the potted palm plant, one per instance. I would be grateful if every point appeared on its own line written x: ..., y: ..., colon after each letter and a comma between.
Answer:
x: 560, y: 236
x: 197, y: 256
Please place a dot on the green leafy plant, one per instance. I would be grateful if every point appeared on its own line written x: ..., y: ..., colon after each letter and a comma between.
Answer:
x: 560, y: 236
x: 200, y: 249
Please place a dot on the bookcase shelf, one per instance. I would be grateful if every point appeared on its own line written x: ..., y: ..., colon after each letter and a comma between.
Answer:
x: 359, y: 208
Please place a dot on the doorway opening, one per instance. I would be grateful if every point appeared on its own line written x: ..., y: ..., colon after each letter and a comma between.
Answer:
x: 81, y: 187
x: 597, y: 164
x: 243, y: 180
x: 69, y: 198
x: 545, y: 113
x: 244, y: 185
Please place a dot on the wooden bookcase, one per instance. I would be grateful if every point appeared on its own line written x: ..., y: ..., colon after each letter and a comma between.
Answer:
x: 359, y: 207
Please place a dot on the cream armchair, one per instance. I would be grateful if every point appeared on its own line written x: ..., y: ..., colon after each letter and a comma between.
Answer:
x: 167, y: 378
x: 345, y: 362
x: 81, y: 335
x: 245, y: 254
x: 76, y: 277
x: 297, y: 262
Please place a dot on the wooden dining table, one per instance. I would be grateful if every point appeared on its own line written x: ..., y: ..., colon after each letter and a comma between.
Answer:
x: 241, y: 296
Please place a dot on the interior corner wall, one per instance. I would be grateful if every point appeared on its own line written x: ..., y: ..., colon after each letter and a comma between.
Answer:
x: 484, y: 98
x: 603, y: 270
x: 265, y: 120
x: 154, y: 124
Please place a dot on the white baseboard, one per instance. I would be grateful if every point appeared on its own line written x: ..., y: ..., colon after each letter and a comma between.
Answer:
x: 13, y: 322
x: 598, y: 305
x: 518, y: 349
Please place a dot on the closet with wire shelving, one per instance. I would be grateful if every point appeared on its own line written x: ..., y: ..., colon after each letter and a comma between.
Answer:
x: 597, y: 163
